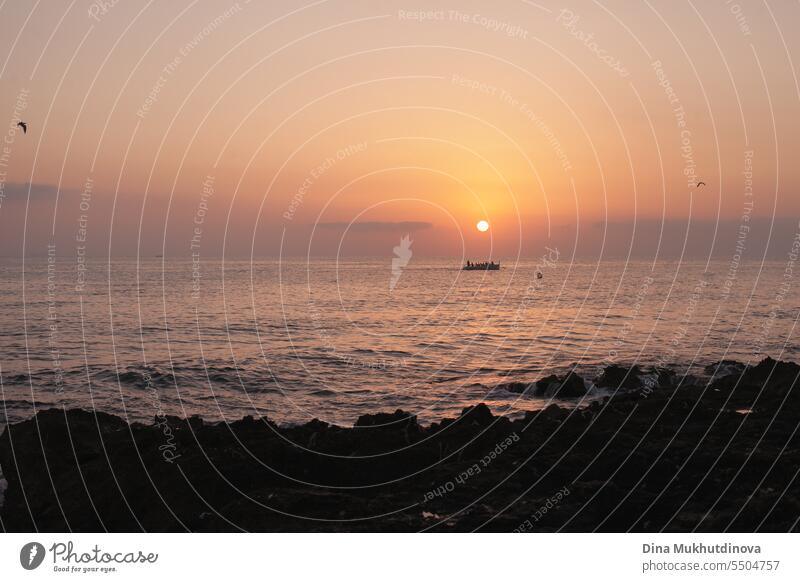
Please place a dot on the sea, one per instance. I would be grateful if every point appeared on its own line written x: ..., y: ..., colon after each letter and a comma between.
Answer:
x: 299, y: 339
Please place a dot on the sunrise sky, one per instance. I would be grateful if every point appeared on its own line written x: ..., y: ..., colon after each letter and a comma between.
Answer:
x: 271, y: 128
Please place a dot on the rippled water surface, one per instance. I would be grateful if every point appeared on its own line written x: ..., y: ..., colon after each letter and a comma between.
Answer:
x: 296, y: 340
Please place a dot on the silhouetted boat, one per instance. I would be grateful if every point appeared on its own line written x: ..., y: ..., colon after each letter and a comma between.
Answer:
x: 490, y: 266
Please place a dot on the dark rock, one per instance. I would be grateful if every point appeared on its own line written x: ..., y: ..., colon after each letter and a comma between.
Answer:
x: 195, y: 422
x: 395, y: 421
x: 769, y: 369
x: 678, y: 459
x: 665, y: 377
x: 569, y: 386
x: 553, y: 413
x: 316, y: 425
x: 620, y: 377
x: 479, y: 415
x: 724, y: 368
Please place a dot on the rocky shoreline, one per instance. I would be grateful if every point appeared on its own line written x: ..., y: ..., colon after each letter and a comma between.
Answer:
x: 661, y: 453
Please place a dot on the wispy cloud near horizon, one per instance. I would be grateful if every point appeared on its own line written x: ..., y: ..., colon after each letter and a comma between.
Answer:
x: 14, y: 191
x: 378, y: 226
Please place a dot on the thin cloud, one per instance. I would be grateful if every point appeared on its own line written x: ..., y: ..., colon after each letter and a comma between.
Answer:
x: 18, y: 191
x: 377, y: 226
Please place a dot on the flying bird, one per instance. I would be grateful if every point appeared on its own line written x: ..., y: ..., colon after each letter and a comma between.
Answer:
x: 23, y: 125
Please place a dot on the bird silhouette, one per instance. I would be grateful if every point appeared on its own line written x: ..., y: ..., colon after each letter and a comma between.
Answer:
x: 23, y: 125
x: 700, y: 184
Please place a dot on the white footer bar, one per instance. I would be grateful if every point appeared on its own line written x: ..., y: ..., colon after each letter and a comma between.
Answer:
x: 401, y: 557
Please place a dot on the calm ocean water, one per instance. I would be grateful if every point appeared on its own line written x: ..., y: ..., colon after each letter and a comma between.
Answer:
x: 296, y: 340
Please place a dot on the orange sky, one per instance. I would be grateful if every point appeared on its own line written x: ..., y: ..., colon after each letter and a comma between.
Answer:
x: 561, y: 126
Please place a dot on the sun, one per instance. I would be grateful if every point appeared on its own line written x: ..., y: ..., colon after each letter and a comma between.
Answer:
x: 482, y: 225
